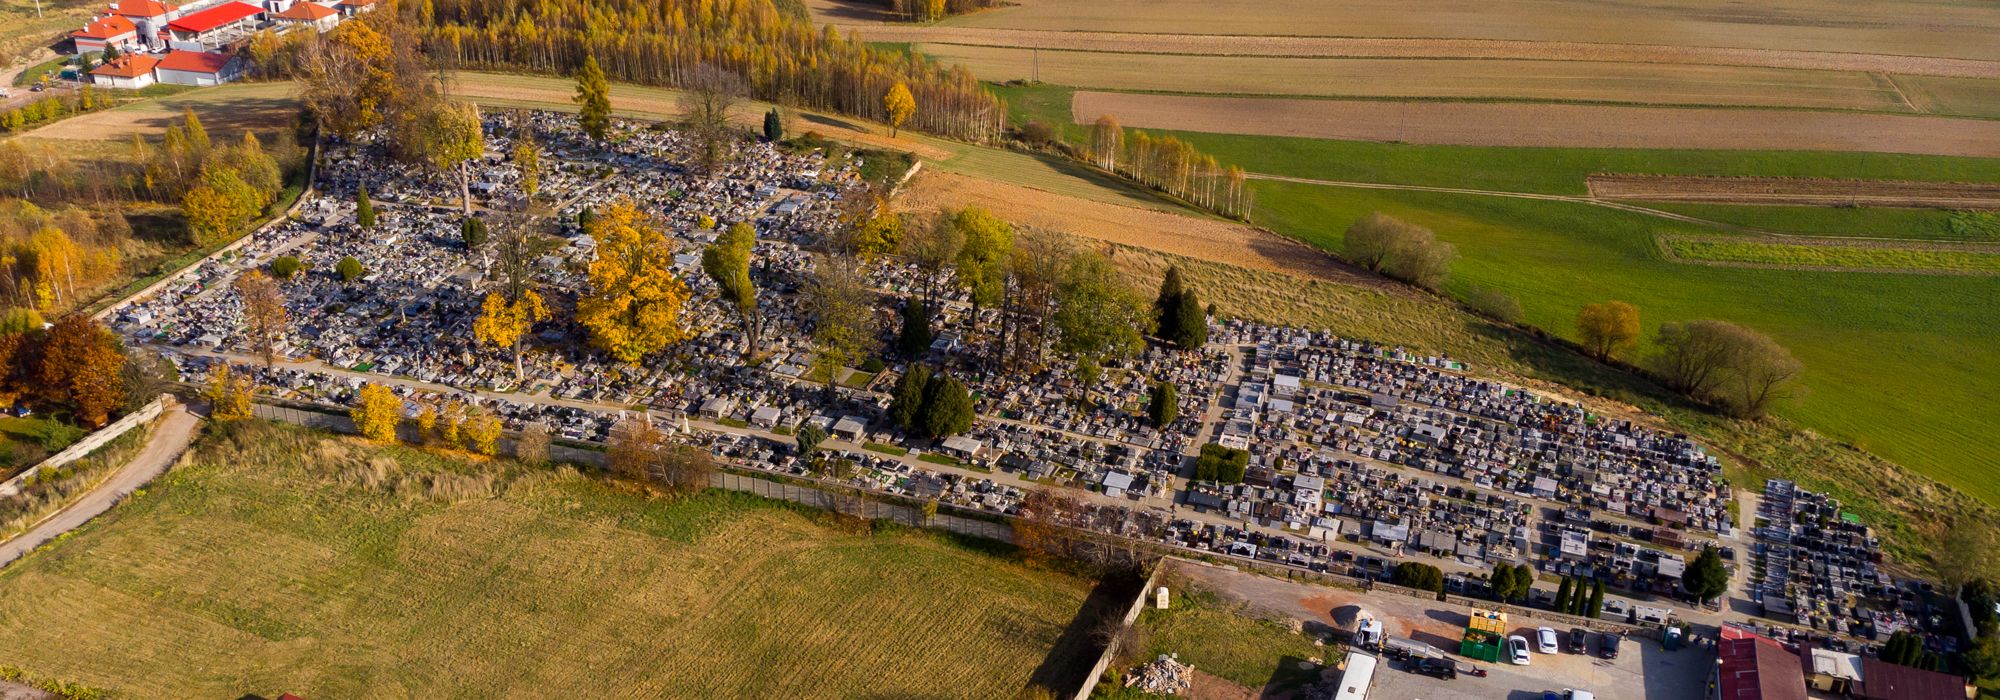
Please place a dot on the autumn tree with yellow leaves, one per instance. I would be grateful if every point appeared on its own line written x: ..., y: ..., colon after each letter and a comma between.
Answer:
x: 503, y: 324
x: 634, y: 305
x: 228, y: 393
x: 377, y: 413
x: 899, y: 105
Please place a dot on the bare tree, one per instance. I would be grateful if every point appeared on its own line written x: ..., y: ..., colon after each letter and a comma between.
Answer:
x: 264, y: 313
x: 709, y: 95
x: 933, y: 248
x: 842, y: 307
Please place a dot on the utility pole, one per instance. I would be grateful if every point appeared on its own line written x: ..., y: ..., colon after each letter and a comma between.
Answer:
x: 1034, y: 77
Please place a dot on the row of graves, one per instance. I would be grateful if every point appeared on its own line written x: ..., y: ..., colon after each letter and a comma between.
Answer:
x: 1379, y: 444
x: 1820, y: 568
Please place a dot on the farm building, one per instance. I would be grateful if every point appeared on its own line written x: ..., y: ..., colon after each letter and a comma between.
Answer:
x: 105, y: 31
x: 308, y: 14
x: 151, y: 16
x: 128, y: 72
x: 197, y: 68
x: 213, y: 27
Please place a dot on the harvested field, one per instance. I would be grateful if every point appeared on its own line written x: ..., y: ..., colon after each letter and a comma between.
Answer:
x: 642, y: 102
x: 1590, y: 126
x: 1778, y: 190
x: 1944, y: 28
x: 1363, y: 47
x: 224, y: 109
x: 1208, y: 239
x: 269, y: 564
x: 1834, y: 254
x: 1964, y: 97
x: 1562, y: 81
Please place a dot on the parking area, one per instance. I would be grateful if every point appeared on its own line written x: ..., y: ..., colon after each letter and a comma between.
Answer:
x: 1643, y: 669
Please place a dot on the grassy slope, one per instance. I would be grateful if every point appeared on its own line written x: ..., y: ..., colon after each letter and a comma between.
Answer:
x: 1897, y: 363
x: 1925, y: 224
x: 254, y: 569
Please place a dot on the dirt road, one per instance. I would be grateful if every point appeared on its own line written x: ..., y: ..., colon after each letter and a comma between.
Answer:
x: 171, y: 436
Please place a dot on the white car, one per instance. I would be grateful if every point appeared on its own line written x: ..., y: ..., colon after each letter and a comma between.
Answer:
x: 1547, y: 641
x: 1569, y: 694
x: 1517, y: 650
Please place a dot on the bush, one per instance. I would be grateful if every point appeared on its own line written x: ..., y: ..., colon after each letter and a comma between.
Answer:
x: 285, y: 267
x: 1495, y: 304
x: 1221, y: 464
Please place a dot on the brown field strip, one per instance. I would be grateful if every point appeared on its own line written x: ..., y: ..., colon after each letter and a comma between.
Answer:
x: 1350, y: 47
x: 549, y: 92
x: 1213, y: 240
x: 226, y: 109
x: 1778, y: 190
x: 1586, y: 126
x: 1564, y: 81
x: 1945, y: 28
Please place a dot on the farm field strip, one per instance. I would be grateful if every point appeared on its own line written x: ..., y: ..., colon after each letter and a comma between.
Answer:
x: 224, y: 109
x: 1935, y: 28
x: 291, y: 576
x: 1844, y: 255
x: 1804, y: 191
x: 1478, y: 79
x: 1546, y: 125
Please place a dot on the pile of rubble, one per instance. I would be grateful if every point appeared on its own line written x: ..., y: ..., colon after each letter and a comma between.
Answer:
x: 1164, y: 676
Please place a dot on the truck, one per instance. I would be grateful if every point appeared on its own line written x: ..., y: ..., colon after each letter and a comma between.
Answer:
x: 1357, y: 673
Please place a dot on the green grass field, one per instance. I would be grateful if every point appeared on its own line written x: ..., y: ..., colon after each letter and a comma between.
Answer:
x: 1819, y: 255
x: 271, y: 564
x: 1865, y: 222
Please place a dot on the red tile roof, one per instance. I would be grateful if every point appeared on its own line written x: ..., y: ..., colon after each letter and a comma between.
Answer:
x: 306, y: 12
x: 1881, y: 680
x: 127, y: 66
x: 217, y: 16
x: 106, y: 28
x: 1751, y: 667
x: 194, y: 62
x: 142, y: 8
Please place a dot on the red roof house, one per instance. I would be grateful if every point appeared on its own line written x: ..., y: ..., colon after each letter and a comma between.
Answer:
x: 104, y: 31
x: 141, y: 8
x: 312, y: 14
x: 198, y: 68
x: 130, y: 71
x: 1751, y: 667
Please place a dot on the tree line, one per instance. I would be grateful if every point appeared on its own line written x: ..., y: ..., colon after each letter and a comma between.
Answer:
x: 1170, y: 164
x: 779, y: 55
x: 54, y: 107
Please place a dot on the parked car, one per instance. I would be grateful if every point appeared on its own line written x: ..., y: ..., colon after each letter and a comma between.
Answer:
x: 1545, y: 638
x: 1435, y: 668
x: 1607, y: 645
x: 1579, y: 641
x: 1577, y: 695
x: 1517, y: 650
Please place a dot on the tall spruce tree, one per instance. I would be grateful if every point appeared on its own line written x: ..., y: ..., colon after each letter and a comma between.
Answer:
x: 908, y: 404
x: 915, y: 338
x: 593, y: 99
x: 1166, y: 307
x: 774, y: 126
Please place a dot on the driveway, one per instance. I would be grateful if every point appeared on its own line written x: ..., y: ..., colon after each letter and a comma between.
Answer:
x: 171, y: 436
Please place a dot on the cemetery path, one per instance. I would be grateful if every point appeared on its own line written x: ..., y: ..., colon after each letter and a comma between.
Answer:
x: 170, y: 438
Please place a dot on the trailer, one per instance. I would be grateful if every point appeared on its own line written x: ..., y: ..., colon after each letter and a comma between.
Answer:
x: 1356, y: 675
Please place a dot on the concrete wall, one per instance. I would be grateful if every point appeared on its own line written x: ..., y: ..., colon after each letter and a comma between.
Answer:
x: 1132, y: 611
x: 89, y: 443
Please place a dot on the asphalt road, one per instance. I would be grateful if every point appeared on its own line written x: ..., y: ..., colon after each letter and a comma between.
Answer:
x: 172, y: 436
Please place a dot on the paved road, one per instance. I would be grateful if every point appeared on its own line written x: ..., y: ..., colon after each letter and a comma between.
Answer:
x: 173, y: 434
